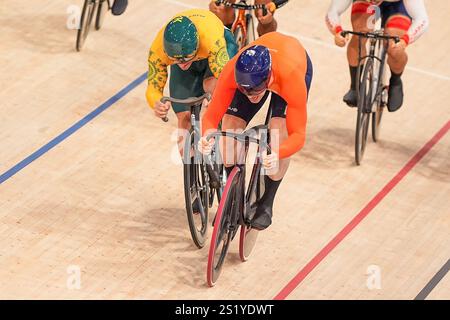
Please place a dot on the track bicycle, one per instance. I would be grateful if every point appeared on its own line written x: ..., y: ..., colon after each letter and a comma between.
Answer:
x: 239, y: 202
x: 204, y: 177
x: 243, y: 28
x: 372, y: 87
x: 91, y: 8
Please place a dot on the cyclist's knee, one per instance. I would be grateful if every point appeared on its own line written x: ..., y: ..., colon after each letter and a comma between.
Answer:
x: 398, y: 33
x: 395, y: 54
x: 230, y: 122
x: 266, y: 28
x: 184, y: 120
x: 209, y: 84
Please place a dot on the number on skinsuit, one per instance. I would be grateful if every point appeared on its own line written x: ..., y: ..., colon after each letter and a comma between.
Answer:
x: 375, y: 14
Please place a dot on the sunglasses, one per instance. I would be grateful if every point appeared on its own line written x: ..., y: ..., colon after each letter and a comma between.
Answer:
x: 183, y: 59
x: 254, y: 91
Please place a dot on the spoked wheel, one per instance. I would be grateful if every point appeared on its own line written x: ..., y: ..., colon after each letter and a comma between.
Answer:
x: 85, y: 22
x: 364, y: 112
x: 378, y: 114
x: 223, y: 233
x: 196, y: 193
x: 379, y: 90
x: 103, y: 7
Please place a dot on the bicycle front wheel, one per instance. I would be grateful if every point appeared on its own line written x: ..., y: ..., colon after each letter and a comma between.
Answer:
x: 85, y: 22
x: 103, y: 7
x: 196, y: 192
x: 223, y: 227
x: 364, y: 112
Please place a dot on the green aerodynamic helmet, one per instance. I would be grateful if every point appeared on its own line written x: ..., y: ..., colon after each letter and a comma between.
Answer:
x: 181, y: 40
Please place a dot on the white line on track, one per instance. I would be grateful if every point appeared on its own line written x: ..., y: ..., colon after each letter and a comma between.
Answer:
x: 325, y: 44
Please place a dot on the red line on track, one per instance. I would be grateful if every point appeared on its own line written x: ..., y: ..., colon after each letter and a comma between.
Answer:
x: 303, y: 273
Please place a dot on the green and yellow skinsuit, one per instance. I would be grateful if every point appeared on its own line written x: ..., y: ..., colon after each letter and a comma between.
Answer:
x: 216, y: 46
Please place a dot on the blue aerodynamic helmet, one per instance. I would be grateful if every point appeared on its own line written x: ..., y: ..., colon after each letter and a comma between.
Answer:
x: 253, y: 70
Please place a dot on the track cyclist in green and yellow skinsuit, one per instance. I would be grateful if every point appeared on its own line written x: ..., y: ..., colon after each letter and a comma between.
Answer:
x: 196, y: 46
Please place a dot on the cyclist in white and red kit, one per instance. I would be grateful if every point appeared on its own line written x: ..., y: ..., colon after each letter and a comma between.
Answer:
x: 406, y: 19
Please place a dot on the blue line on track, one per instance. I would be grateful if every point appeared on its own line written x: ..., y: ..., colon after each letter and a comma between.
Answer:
x: 60, y: 138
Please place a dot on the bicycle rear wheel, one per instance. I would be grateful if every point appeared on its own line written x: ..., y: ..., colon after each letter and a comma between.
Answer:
x: 378, y: 115
x: 248, y: 236
x: 381, y: 90
x: 103, y: 7
x: 223, y: 227
x: 196, y: 192
x: 247, y: 241
x: 85, y: 22
x: 364, y: 112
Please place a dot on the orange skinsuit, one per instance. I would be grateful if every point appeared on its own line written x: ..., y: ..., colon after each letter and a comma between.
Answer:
x: 289, y: 65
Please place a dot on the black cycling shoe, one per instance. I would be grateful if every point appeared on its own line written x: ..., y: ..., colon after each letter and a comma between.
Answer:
x: 262, y: 218
x: 395, y: 95
x: 351, y: 98
x: 119, y: 7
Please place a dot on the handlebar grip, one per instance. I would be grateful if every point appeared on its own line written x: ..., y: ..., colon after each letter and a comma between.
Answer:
x: 164, y: 100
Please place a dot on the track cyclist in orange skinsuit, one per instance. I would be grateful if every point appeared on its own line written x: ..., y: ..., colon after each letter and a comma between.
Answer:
x: 277, y: 64
x: 266, y: 23
x: 406, y: 19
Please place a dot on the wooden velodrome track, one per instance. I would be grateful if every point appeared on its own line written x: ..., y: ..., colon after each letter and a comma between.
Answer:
x: 106, y: 198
